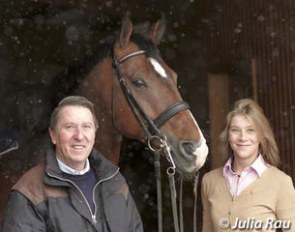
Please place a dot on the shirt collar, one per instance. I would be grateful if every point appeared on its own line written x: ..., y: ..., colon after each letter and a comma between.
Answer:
x: 65, y: 168
x: 227, y: 169
x: 259, y: 166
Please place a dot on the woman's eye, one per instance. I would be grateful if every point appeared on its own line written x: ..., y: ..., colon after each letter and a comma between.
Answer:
x: 234, y: 130
x: 139, y: 83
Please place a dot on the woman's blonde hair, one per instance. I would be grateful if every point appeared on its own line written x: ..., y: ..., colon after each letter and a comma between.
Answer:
x: 251, y: 110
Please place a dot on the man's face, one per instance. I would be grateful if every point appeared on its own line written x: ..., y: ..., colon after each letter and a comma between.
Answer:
x: 74, y: 136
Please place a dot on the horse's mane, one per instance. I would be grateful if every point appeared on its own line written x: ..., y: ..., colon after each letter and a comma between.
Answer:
x: 66, y: 82
x: 69, y: 78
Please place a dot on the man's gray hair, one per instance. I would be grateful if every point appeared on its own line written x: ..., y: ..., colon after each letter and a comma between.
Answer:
x: 72, y: 101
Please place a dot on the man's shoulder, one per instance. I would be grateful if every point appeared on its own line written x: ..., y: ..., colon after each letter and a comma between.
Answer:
x: 32, y: 186
x: 32, y: 176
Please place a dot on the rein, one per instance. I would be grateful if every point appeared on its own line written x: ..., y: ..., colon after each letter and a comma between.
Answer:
x: 154, y: 136
x: 178, y: 220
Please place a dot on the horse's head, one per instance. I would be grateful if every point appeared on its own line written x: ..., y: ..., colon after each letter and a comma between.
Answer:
x: 152, y: 107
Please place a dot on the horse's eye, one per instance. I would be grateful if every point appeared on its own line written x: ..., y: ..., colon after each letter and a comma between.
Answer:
x: 139, y: 83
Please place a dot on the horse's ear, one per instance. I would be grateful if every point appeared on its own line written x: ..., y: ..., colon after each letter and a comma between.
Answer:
x: 126, y: 30
x: 157, y: 30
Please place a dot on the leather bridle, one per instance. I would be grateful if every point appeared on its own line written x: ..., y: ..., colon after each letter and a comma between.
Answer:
x: 153, y: 134
x: 151, y: 127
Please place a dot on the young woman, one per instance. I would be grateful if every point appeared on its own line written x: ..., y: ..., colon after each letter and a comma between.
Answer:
x: 249, y: 193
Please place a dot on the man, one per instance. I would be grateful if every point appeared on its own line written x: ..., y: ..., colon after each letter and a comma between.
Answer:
x: 76, y: 189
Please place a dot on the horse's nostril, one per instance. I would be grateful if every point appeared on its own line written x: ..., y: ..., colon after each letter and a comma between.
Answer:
x: 189, y: 147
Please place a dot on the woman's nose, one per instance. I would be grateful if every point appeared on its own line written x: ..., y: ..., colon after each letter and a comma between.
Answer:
x: 242, y: 134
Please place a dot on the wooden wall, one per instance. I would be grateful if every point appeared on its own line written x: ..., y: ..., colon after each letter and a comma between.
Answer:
x: 261, y: 32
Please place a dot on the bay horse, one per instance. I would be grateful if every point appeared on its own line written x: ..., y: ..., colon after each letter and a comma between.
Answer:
x: 136, y: 96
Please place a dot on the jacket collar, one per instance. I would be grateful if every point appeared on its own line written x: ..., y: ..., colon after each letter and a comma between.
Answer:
x: 101, y: 165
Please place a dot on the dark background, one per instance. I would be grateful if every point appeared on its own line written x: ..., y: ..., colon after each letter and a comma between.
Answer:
x: 39, y: 38
x: 251, y: 42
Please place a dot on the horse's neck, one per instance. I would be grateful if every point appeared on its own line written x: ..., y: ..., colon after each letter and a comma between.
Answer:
x: 108, y: 140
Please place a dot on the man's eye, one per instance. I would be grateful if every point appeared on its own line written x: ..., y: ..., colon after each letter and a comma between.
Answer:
x: 69, y: 126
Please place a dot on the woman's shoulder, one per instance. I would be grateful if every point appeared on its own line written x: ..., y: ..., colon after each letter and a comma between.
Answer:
x: 213, y: 174
x: 274, y: 171
x: 277, y: 174
x: 279, y: 181
x: 277, y: 178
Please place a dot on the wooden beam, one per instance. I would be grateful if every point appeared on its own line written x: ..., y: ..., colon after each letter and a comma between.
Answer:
x: 218, y: 86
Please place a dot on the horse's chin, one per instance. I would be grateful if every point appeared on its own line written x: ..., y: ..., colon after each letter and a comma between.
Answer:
x: 183, y: 167
x: 188, y: 164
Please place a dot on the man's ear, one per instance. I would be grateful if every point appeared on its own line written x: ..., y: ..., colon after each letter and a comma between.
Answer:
x: 52, y: 135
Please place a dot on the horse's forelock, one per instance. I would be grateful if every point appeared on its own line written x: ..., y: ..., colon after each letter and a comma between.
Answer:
x: 144, y: 43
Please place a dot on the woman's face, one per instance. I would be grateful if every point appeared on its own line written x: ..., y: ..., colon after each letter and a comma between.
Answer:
x: 244, y: 139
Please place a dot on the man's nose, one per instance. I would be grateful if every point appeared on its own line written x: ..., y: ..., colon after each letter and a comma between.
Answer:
x: 79, y: 133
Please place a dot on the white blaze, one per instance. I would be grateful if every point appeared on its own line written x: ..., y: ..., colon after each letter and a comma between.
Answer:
x: 159, y: 69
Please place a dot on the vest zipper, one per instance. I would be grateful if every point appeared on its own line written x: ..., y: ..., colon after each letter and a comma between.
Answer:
x: 93, y: 215
x: 94, y: 218
x: 93, y: 195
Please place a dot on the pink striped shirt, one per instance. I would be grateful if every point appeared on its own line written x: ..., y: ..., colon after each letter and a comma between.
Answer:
x: 237, y: 183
